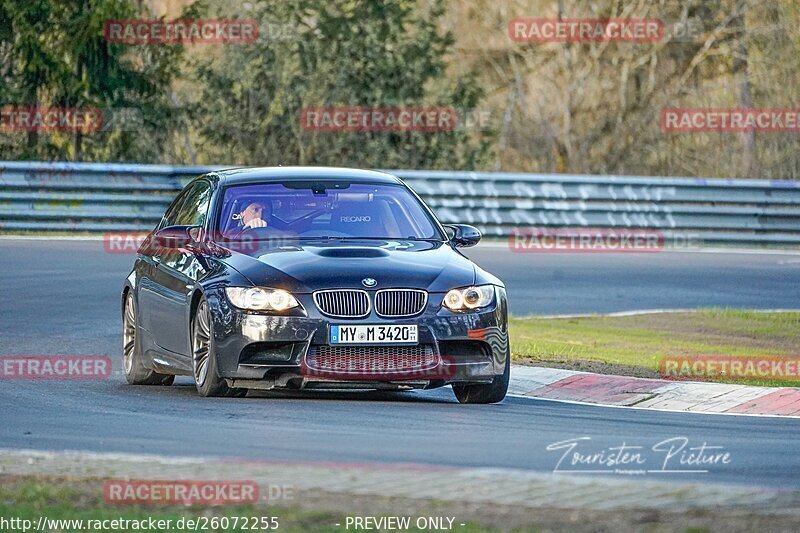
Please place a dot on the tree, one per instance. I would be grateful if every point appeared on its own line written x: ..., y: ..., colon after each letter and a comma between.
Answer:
x: 354, y: 53
x: 54, y: 54
x: 595, y: 107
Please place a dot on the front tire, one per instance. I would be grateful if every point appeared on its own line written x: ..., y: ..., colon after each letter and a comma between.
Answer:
x: 135, y: 371
x: 204, y: 357
x: 489, y: 393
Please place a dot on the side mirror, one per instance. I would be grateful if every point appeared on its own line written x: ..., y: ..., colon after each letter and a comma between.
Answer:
x: 464, y: 236
x: 175, y: 238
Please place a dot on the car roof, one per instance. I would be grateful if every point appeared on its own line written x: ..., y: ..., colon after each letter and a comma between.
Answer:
x: 237, y: 176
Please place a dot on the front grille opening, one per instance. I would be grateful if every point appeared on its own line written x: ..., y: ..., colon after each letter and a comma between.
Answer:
x: 400, y: 302
x: 370, y: 361
x: 265, y: 353
x: 343, y: 303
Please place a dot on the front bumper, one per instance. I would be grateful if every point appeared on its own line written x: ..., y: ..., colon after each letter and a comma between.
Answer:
x: 266, y: 350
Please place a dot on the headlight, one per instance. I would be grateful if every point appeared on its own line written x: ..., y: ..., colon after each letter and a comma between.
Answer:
x: 469, y: 298
x: 260, y: 299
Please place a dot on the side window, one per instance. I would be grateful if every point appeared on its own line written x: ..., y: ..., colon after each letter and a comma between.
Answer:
x: 190, y: 209
x: 194, y: 208
x: 172, y: 211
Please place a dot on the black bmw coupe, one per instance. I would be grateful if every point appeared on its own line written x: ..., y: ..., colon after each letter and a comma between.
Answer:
x: 300, y: 277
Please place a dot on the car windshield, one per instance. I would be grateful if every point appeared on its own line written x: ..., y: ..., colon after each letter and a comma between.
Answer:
x: 325, y: 210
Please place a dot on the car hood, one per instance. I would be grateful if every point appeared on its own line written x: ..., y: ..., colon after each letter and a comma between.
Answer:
x: 304, y: 267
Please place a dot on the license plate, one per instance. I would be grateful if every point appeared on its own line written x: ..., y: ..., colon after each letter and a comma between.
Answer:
x: 374, y: 334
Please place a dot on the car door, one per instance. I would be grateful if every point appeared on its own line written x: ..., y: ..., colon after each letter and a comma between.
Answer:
x: 175, y: 274
x: 149, y: 294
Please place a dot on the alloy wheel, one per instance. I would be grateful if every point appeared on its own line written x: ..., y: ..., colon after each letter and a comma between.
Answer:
x: 128, y: 334
x: 201, y: 344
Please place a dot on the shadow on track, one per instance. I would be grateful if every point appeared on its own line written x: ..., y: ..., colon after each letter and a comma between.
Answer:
x: 185, y: 389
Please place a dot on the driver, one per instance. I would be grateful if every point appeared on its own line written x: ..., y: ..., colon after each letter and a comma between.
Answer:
x: 253, y: 215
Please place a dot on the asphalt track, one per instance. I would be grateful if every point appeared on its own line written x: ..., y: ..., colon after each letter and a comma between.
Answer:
x: 62, y: 297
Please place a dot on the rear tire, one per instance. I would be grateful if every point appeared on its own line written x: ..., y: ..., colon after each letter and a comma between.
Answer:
x: 204, y: 357
x: 489, y: 393
x: 135, y: 371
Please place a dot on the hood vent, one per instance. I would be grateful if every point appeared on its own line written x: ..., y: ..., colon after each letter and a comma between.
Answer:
x: 351, y: 251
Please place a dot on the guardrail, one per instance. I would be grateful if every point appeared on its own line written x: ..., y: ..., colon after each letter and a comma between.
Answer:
x: 98, y: 197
